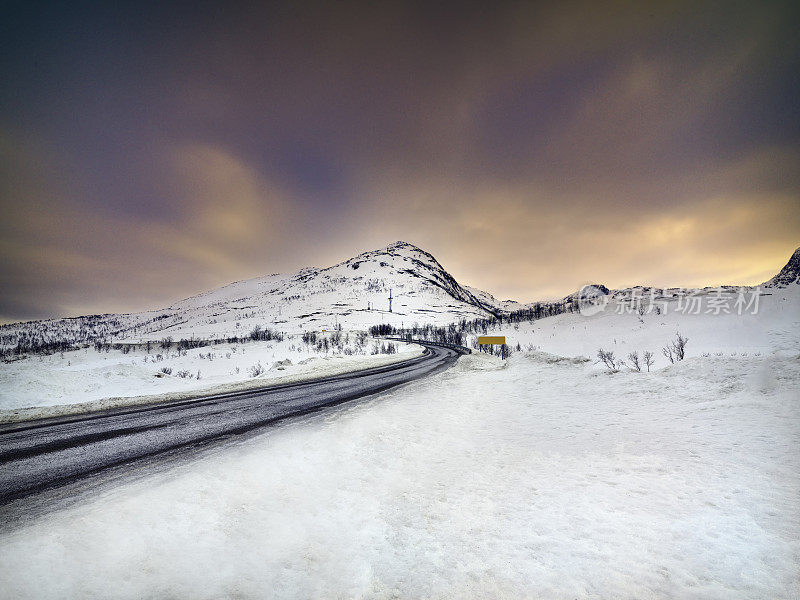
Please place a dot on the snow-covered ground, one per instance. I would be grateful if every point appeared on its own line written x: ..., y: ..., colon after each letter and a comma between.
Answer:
x: 537, y: 477
x: 773, y: 326
x: 104, y: 379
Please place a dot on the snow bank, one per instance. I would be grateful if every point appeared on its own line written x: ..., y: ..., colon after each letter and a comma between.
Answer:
x: 85, y: 380
x: 534, y: 478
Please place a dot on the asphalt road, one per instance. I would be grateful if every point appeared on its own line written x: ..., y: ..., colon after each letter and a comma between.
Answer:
x: 39, y: 456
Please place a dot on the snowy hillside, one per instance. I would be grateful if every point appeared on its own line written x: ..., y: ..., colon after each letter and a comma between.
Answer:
x: 353, y: 294
x: 717, y: 322
x: 729, y: 320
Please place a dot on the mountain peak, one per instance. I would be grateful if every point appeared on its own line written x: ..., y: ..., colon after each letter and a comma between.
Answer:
x: 789, y: 274
x: 403, y: 246
x: 403, y: 250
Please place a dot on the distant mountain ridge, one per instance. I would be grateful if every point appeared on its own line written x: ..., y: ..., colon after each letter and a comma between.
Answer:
x: 353, y: 294
x: 788, y: 276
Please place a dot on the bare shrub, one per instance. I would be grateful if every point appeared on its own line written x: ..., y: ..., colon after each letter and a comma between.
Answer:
x: 648, y: 358
x: 633, y: 359
x: 256, y: 370
x: 676, y: 349
x: 679, y: 345
x: 607, y: 358
x: 669, y: 353
x: 166, y: 370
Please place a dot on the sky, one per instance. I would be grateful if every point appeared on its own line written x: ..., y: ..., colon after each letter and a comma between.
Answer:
x: 150, y: 151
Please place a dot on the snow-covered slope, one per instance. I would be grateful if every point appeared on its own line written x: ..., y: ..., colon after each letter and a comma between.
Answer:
x: 723, y: 320
x: 500, y: 305
x: 761, y: 325
x: 353, y: 294
x: 789, y: 274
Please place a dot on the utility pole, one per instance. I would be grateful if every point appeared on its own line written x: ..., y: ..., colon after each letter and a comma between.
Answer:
x: 390, y: 299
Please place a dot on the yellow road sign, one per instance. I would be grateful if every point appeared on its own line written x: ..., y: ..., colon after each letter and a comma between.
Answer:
x: 486, y: 340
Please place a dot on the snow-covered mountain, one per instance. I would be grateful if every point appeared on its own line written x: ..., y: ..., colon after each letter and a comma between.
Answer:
x: 789, y: 274
x: 414, y: 276
x: 354, y: 294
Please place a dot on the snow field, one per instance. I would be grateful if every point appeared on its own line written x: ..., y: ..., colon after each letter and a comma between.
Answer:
x: 537, y: 477
x: 105, y: 379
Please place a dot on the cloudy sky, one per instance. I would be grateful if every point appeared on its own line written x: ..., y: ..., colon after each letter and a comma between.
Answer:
x: 152, y: 151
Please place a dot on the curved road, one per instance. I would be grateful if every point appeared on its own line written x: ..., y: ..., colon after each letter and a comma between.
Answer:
x: 36, y: 456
